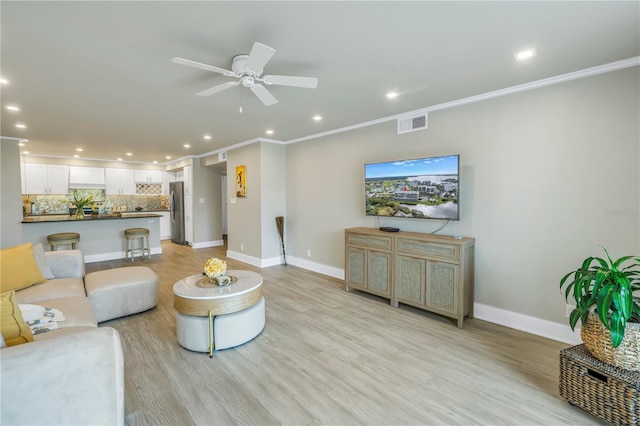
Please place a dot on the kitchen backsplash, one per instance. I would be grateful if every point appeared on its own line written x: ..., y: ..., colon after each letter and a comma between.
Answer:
x: 59, y: 204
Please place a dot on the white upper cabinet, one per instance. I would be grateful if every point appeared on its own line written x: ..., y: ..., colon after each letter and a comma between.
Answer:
x: 46, y: 179
x: 80, y: 176
x: 120, y: 182
x: 149, y: 176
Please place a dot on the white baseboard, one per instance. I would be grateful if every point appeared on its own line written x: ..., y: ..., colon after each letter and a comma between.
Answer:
x: 206, y: 244
x: 517, y: 321
x: 255, y: 261
x: 316, y: 267
x: 532, y: 325
x: 91, y: 258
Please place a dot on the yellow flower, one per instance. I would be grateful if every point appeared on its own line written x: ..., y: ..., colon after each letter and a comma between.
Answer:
x: 215, y: 267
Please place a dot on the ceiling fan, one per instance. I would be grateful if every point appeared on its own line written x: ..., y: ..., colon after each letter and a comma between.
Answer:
x: 248, y: 70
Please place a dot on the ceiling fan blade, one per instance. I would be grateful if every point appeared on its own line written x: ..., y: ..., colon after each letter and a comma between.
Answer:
x: 259, y: 56
x: 263, y: 94
x: 218, y: 88
x: 286, y: 80
x: 206, y: 67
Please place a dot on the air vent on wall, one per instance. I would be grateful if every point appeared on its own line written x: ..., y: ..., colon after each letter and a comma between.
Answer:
x: 413, y: 123
x: 222, y: 156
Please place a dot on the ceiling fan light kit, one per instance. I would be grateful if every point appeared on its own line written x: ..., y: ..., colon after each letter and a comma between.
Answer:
x: 248, y: 70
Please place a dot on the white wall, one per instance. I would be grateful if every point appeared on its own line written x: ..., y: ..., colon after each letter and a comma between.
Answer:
x: 546, y: 177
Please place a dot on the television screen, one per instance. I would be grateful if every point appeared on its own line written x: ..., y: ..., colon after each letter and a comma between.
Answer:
x: 424, y: 188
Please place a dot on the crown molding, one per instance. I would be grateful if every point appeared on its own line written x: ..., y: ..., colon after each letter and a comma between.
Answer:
x: 576, y: 75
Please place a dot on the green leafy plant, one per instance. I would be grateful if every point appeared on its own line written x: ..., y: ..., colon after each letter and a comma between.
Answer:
x: 608, y: 287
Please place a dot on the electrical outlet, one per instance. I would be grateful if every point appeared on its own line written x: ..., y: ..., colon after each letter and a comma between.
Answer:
x: 308, y: 252
x: 241, y: 247
x: 568, y: 309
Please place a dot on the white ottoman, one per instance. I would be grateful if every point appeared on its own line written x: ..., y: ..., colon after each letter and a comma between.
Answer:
x: 118, y: 292
x: 229, y: 330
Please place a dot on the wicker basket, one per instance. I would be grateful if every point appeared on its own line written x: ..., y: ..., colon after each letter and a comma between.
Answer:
x: 597, y: 339
x: 611, y: 393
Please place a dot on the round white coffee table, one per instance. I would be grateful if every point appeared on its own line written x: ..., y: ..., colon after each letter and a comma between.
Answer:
x: 218, y: 317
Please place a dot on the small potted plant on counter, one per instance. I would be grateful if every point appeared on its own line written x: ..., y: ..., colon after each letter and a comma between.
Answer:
x: 603, y: 293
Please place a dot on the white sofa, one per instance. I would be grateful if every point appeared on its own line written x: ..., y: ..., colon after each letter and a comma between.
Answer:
x: 72, y: 375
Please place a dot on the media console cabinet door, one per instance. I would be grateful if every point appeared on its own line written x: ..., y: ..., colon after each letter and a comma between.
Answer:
x: 379, y: 273
x: 410, y: 282
x: 442, y: 287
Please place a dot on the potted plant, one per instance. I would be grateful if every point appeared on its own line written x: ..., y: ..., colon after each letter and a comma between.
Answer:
x: 603, y: 293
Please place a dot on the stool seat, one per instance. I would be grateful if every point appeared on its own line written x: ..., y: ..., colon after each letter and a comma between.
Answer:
x: 136, y: 232
x: 133, y: 234
x: 63, y: 238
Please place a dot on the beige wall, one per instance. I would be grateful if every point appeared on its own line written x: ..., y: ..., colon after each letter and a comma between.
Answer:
x: 207, y: 215
x: 243, y: 217
x: 252, y: 231
x: 546, y: 177
x: 11, y: 202
x: 273, y: 190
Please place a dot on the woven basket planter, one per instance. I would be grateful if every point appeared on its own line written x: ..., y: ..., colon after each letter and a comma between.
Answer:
x: 597, y: 340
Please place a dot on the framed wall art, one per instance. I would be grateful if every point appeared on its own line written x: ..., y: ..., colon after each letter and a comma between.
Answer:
x: 241, y: 181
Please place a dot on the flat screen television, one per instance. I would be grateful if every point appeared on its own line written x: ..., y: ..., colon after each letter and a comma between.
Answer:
x: 422, y: 188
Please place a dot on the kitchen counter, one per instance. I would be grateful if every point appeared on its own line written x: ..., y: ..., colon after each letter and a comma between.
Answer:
x: 88, y: 217
x: 101, y: 237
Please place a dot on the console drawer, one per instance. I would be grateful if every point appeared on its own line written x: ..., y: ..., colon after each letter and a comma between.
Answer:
x: 428, y: 249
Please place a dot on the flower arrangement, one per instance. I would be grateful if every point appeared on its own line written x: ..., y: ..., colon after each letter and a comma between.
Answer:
x: 79, y: 202
x: 215, y: 268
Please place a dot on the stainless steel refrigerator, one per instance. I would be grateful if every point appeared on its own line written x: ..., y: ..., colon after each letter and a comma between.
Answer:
x: 176, y: 198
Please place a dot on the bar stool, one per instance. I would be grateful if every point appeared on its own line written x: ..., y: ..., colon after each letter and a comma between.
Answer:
x: 64, y: 238
x: 132, y: 234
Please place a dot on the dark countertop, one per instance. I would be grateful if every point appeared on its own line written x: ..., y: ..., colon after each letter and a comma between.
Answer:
x: 87, y: 218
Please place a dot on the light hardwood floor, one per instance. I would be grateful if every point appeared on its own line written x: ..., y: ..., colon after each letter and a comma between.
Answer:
x: 331, y: 357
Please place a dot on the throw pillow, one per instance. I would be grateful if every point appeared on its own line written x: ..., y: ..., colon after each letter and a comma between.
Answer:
x: 18, y: 268
x: 14, y: 329
x: 41, y: 260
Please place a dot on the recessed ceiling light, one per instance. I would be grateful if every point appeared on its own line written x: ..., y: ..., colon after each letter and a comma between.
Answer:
x: 4, y: 81
x: 25, y: 152
x: 21, y: 144
x: 524, y: 54
x: 129, y: 154
x: 13, y: 108
x: 269, y: 132
x: 119, y: 159
x: 168, y: 157
x: 76, y: 156
x: 207, y: 137
x: 317, y: 117
x: 391, y: 95
x: 186, y: 145
x: 155, y: 162
x: 79, y: 149
x: 21, y: 126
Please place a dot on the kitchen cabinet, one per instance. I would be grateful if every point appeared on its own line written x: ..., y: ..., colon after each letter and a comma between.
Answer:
x: 430, y: 272
x: 46, y: 179
x: 149, y: 176
x: 83, y: 177
x: 165, y: 226
x: 120, y: 182
x: 23, y: 177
